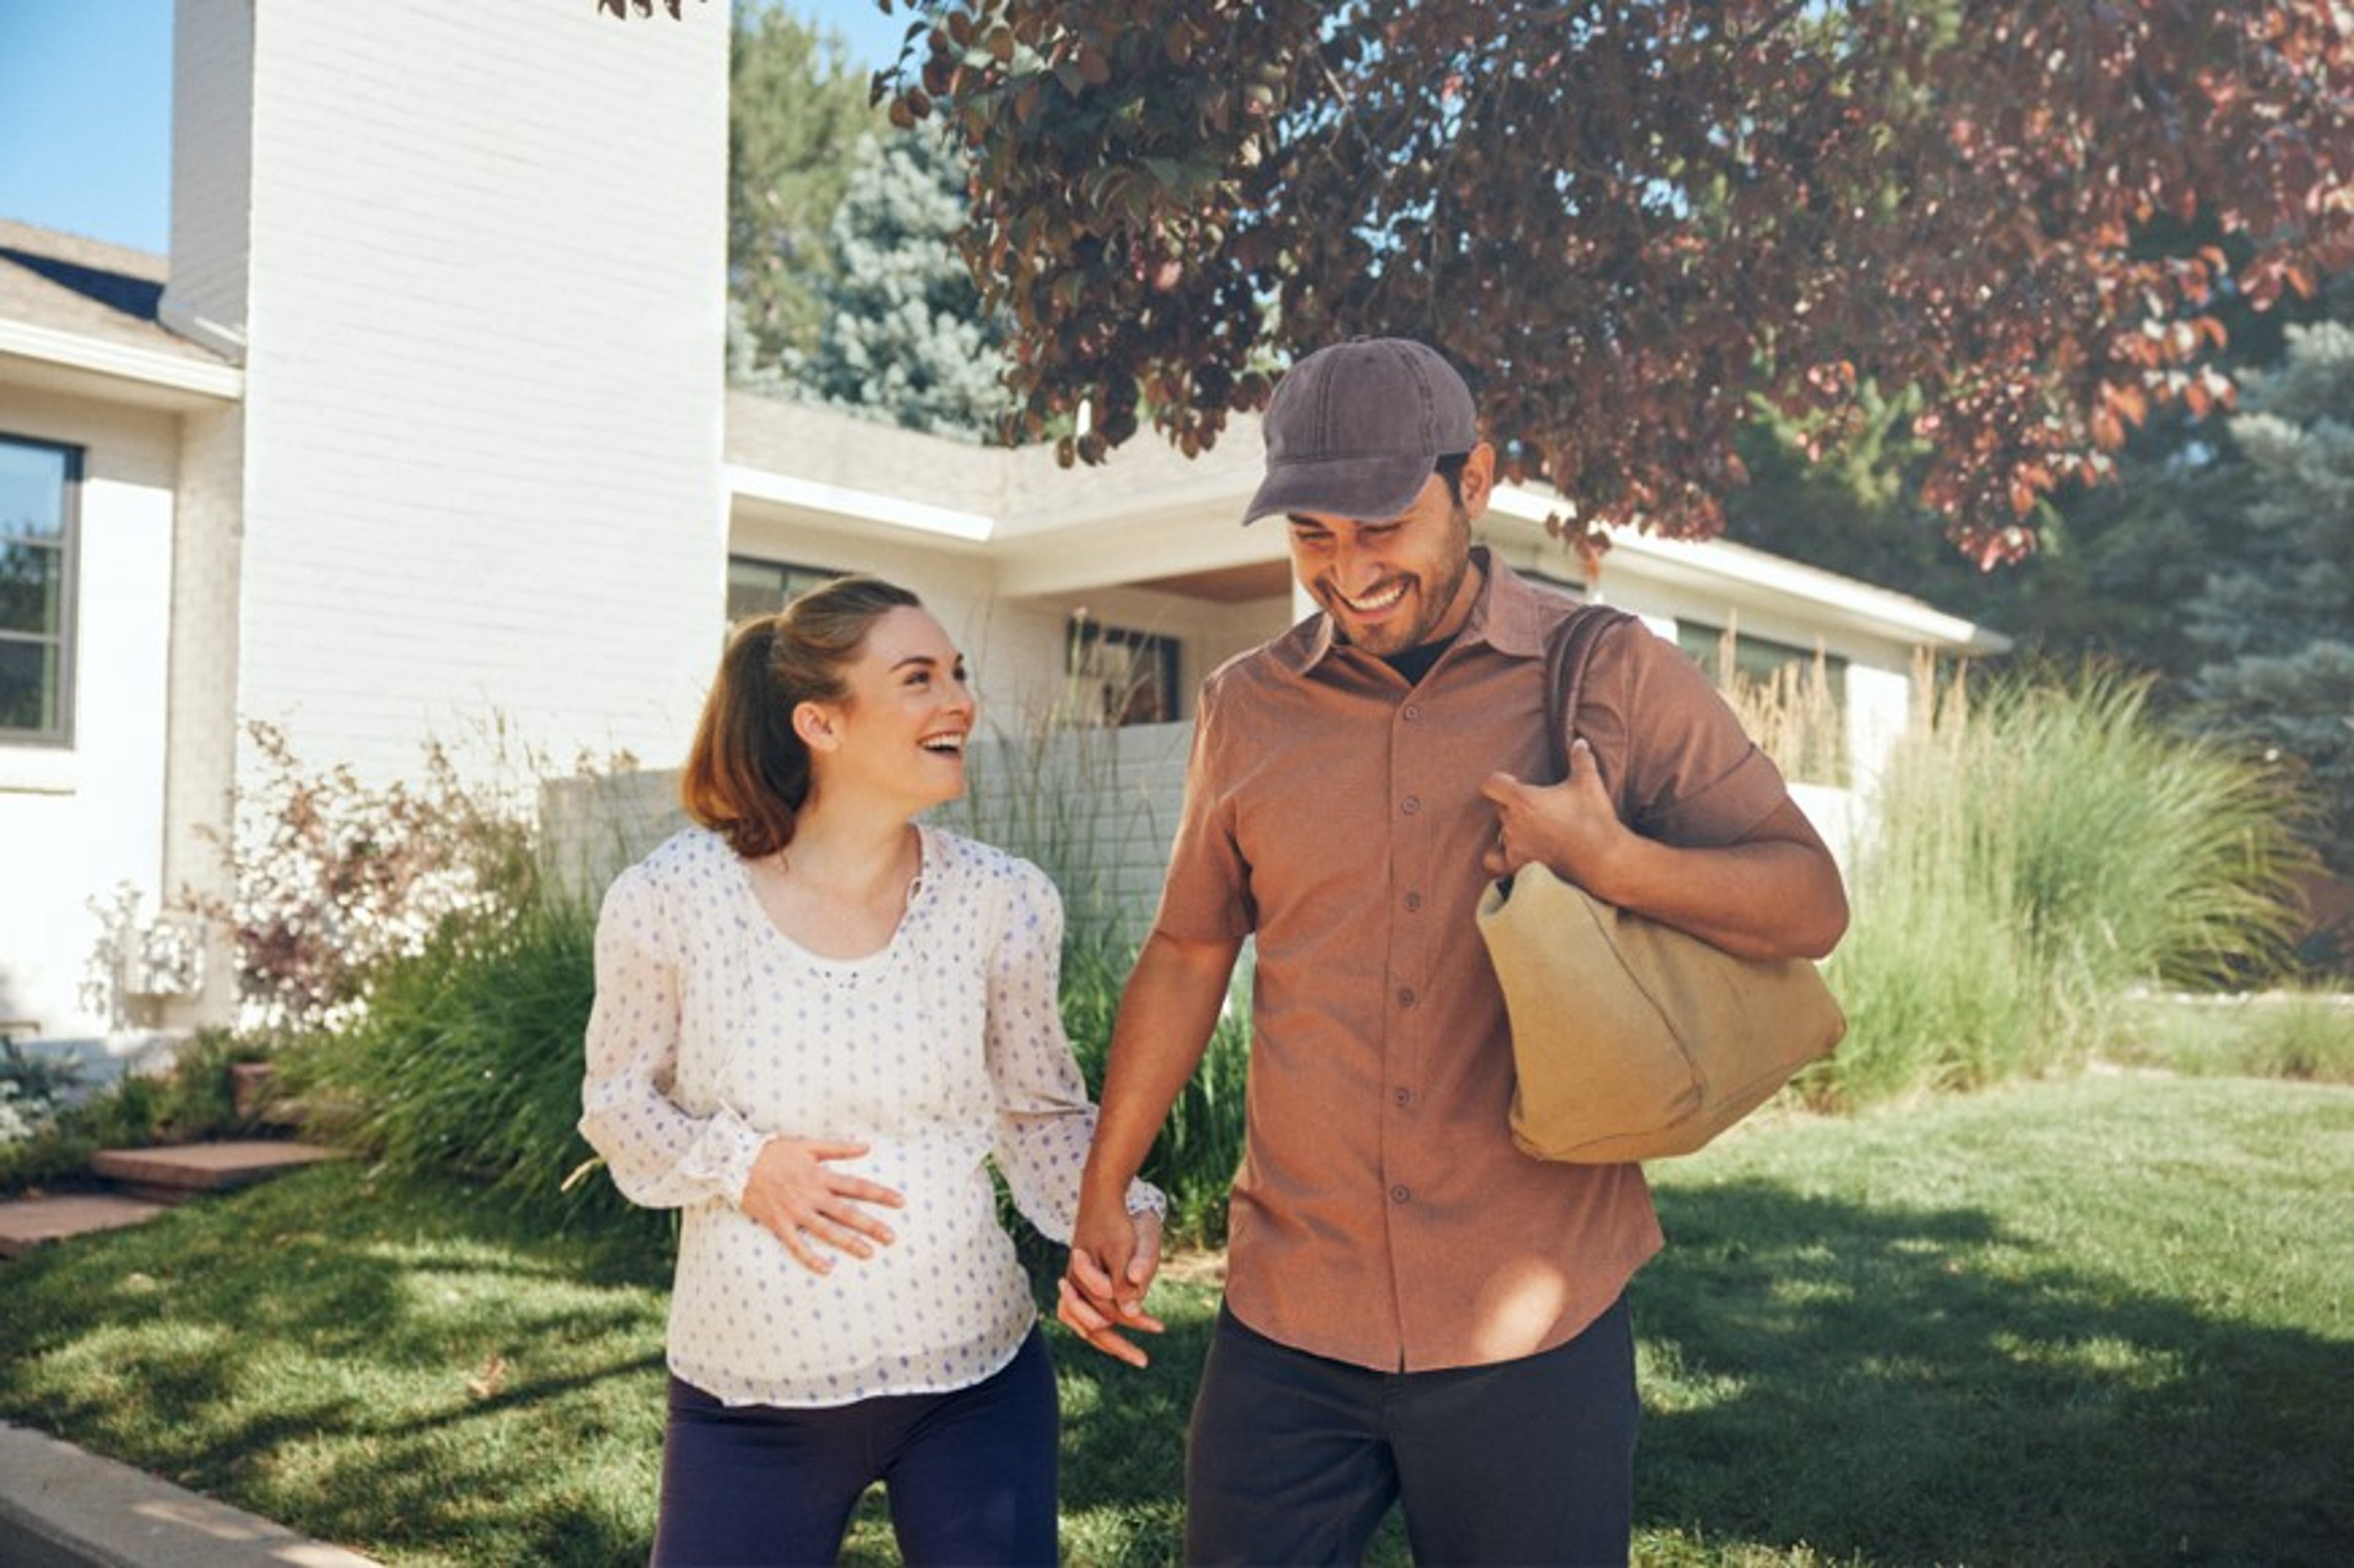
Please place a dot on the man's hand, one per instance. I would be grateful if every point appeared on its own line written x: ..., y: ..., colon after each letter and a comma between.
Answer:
x: 1571, y: 826
x: 1114, y: 1255
x: 1774, y: 893
x: 1166, y: 1014
x: 804, y: 1201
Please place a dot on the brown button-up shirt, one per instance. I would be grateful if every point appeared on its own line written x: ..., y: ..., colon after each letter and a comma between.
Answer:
x: 1383, y: 1216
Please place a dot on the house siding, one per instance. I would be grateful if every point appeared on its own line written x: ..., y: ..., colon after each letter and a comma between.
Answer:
x: 485, y: 324
x: 76, y: 822
x: 207, y: 593
x: 212, y: 166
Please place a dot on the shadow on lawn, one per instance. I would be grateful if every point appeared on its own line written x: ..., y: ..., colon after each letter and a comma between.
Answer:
x: 370, y: 1361
x: 1912, y: 1387
x: 375, y: 1362
x: 1883, y: 1387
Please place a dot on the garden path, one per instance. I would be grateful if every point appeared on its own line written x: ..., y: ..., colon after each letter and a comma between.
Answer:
x: 140, y: 1184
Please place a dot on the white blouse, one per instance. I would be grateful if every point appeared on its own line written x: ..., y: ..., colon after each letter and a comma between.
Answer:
x: 713, y: 1032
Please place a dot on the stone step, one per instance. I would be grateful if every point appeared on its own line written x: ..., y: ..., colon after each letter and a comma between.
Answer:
x: 144, y: 1181
x: 32, y: 1222
x: 177, y: 1172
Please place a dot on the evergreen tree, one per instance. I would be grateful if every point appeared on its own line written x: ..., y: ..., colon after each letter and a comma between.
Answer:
x: 2279, y: 617
x: 903, y: 333
x: 2116, y: 564
x: 795, y: 114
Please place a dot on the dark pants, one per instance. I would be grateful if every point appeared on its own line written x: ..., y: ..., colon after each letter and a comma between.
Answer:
x: 1294, y: 1459
x: 971, y: 1474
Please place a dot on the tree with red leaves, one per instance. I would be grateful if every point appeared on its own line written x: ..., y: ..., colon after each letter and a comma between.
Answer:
x: 1627, y: 220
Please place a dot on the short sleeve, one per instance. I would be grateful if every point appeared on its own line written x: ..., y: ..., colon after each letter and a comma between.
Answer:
x: 1672, y: 750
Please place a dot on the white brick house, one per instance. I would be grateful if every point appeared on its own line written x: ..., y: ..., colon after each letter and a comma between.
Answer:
x: 423, y: 426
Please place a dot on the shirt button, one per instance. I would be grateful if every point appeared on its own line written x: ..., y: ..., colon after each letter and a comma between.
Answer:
x: 1400, y: 1194
x: 1413, y: 902
x: 1405, y: 996
x: 1413, y: 711
x: 1412, y: 804
x: 1402, y: 1097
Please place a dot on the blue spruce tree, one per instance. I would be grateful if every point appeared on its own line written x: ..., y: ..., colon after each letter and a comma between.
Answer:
x: 2278, y: 623
x: 902, y: 333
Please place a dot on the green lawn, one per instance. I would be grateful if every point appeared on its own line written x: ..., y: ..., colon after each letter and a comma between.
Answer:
x: 2095, y: 1321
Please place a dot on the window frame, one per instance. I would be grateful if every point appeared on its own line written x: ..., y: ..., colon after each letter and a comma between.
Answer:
x: 61, y: 736
x: 787, y: 572
x: 1583, y: 592
x: 1163, y: 655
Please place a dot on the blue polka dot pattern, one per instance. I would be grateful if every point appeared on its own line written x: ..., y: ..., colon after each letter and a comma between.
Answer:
x: 714, y: 1032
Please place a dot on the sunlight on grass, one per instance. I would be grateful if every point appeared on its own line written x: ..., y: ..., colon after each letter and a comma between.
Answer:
x: 2040, y: 847
x: 2280, y: 1034
x: 1672, y: 1384
x: 2103, y: 1366
x: 2077, y: 1322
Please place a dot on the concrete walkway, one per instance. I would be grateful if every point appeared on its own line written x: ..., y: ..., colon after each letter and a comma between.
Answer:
x: 63, y: 1507
x: 29, y: 1223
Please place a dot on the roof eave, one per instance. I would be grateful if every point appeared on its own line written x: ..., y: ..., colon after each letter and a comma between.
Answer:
x: 182, y: 379
x: 1754, y: 572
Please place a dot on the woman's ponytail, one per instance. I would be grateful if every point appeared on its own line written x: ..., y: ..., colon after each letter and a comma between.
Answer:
x: 748, y: 772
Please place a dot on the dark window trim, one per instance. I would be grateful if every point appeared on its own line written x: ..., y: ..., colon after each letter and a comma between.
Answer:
x: 1580, y: 590
x: 1786, y: 652
x: 61, y: 739
x: 783, y: 569
x: 1083, y: 632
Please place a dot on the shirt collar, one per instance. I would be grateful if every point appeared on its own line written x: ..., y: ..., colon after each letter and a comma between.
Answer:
x: 1510, y: 616
x: 1505, y: 616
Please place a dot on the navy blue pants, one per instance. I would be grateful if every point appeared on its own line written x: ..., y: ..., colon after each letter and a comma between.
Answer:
x: 971, y: 1474
x: 1293, y: 1458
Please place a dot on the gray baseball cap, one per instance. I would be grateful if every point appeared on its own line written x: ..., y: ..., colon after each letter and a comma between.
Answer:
x: 1355, y: 429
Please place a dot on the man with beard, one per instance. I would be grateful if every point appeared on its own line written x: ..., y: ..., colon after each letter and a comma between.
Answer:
x: 1416, y: 1311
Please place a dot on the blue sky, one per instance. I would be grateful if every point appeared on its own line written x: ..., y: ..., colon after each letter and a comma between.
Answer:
x: 86, y: 107
x: 86, y: 117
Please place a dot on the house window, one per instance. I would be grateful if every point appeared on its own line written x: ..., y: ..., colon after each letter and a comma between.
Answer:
x: 1120, y: 677
x: 1792, y: 700
x: 763, y: 588
x: 39, y: 487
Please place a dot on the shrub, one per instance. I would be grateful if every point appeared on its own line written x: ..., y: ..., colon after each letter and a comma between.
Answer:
x: 1200, y: 1146
x: 33, y: 1089
x: 333, y: 875
x: 2040, y: 847
x: 1051, y: 797
x: 2288, y: 1034
x: 421, y: 982
x: 465, y: 1053
x: 1793, y: 713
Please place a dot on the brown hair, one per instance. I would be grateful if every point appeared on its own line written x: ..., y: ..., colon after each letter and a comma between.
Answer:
x: 747, y: 774
x: 1450, y: 467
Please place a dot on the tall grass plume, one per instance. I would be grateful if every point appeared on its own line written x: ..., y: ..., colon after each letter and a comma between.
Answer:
x: 2040, y: 846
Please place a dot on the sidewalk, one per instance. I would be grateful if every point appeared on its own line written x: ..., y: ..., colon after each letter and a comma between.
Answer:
x: 63, y: 1507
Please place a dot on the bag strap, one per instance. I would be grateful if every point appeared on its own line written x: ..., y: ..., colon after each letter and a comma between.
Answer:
x: 1567, y: 654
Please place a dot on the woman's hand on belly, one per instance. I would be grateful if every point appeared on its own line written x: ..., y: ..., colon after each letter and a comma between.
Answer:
x: 801, y: 1199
